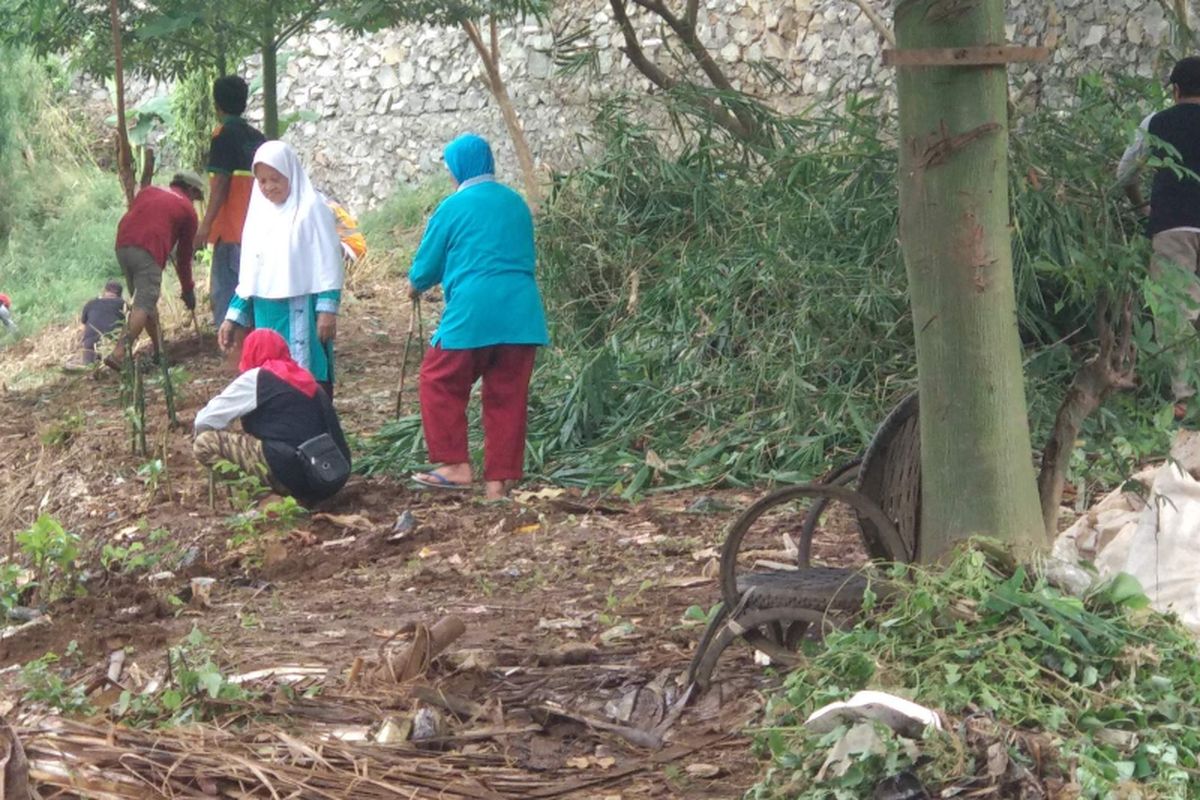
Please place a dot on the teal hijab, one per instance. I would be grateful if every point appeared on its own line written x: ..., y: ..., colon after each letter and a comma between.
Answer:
x: 469, y: 158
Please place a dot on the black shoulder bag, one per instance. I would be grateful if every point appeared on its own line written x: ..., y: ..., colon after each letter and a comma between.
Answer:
x: 324, y: 464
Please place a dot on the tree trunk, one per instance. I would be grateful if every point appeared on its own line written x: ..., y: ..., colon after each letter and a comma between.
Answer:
x: 124, y: 156
x: 491, y: 64
x: 148, y: 164
x: 976, y: 458
x: 270, y: 53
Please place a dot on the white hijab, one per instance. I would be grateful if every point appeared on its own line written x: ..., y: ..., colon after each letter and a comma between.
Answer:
x: 291, y: 249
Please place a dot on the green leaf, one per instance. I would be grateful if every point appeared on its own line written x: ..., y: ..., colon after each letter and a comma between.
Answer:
x: 171, y: 699
x: 123, y: 703
x: 1125, y: 590
x: 212, y: 681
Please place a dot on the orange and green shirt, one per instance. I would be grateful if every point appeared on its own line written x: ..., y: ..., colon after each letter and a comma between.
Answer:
x: 234, y: 143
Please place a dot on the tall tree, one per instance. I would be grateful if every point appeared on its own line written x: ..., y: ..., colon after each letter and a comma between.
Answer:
x: 976, y: 466
x: 124, y: 158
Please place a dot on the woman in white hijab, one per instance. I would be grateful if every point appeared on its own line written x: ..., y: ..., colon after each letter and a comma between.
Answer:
x: 290, y: 279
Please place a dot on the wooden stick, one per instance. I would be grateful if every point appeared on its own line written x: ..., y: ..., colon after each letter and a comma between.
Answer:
x: 414, y: 320
x: 168, y: 389
x: 635, y: 736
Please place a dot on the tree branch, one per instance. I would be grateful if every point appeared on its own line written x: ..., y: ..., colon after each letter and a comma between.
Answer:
x: 489, y: 66
x: 516, y: 133
x: 880, y: 25
x: 687, y: 34
x: 495, y: 37
x: 300, y: 24
x: 124, y: 157
x: 747, y: 126
x: 692, y: 13
x: 656, y: 75
x: 633, y: 49
x: 1110, y: 369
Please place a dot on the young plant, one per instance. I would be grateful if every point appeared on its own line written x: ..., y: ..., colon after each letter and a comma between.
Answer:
x: 51, y: 551
x: 197, y: 689
x: 255, y: 526
x: 45, y: 684
x: 244, y: 489
x: 151, y: 473
x: 63, y: 430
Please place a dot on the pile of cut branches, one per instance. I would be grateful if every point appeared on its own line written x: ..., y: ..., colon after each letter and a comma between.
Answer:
x: 1045, y: 694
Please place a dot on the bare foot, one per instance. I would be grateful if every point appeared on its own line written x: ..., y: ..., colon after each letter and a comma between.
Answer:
x: 496, y: 490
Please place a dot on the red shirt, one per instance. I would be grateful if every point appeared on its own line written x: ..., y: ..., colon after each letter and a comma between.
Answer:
x: 158, y: 221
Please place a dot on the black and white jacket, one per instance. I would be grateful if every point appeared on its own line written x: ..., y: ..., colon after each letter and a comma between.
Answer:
x: 281, y: 417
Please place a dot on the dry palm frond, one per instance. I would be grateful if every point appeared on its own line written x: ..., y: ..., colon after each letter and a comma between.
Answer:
x: 113, y: 763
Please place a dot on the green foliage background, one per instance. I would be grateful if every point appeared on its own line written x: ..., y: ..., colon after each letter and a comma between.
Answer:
x: 722, y: 315
x: 60, y: 211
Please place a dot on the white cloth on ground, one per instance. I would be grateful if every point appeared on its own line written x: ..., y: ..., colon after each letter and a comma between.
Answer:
x: 1151, y: 536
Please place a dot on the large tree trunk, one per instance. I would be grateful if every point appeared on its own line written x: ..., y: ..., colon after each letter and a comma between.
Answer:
x: 124, y: 155
x: 976, y: 458
x: 490, y: 56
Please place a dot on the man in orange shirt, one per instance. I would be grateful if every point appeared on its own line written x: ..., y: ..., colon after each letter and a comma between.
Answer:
x: 230, y: 160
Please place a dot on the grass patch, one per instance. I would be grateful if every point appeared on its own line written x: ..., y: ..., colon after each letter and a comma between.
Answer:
x: 59, y: 257
x: 61, y: 210
x: 1103, y: 686
x: 395, y: 226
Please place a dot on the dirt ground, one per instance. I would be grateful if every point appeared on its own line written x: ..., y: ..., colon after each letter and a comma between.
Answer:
x: 570, y: 602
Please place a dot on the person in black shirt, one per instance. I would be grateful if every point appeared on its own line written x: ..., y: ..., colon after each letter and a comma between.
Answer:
x: 1173, y: 213
x: 282, y: 410
x: 230, y: 160
x: 101, y: 316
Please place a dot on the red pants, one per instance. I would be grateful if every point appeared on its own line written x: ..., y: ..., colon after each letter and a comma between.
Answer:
x: 446, y: 380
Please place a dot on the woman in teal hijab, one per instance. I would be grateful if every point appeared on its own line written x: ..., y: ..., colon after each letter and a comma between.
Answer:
x: 479, y: 246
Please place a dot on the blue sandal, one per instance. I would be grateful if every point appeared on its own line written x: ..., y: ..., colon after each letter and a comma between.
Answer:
x: 438, y: 482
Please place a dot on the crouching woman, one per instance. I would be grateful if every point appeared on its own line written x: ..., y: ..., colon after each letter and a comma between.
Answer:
x: 293, y: 440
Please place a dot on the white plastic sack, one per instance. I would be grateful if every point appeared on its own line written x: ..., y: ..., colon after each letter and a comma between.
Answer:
x: 1163, y: 549
x: 1155, y: 538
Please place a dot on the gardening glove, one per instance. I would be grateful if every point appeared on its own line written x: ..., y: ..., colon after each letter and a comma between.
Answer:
x: 189, y: 299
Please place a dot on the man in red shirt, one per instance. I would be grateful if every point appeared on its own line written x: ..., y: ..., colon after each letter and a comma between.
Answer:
x: 159, y: 221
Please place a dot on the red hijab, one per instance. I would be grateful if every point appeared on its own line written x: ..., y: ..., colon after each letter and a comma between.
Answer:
x: 265, y: 348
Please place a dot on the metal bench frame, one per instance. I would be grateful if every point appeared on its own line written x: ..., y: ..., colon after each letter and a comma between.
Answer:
x: 773, y: 611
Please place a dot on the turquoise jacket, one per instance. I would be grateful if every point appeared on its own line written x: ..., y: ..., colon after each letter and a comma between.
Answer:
x: 479, y: 245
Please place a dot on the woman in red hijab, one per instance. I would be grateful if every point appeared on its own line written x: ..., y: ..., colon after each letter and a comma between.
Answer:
x: 292, y: 438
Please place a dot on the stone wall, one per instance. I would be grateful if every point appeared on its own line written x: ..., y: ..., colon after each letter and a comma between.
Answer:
x: 386, y: 103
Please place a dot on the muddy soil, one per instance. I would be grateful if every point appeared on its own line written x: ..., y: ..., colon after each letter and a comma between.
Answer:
x: 527, y: 578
